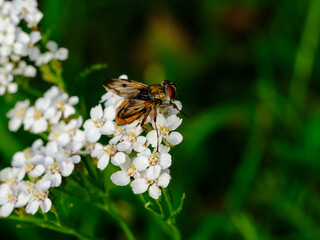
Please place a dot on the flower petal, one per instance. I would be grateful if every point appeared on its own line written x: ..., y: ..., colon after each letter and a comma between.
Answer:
x: 141, y: 163
x: 32, y: 207
x: 174, y: 138
x: 103, y: 161
x: 46, y: 205
x: 120, y: 178
x: 118, y: 159
x: 154, y: 191
x: 139, y: 185
x: 6, y: 209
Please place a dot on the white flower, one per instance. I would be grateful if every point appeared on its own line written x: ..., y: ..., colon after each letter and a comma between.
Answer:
x: 25, y: 70
x: 168, y: 111
x: 111, y: 99
x: 53, y: 172
x: 36, y: 117
x: 10, y: 199
x: 31, y: 159
x: 129, y: 138
x: 58, y: 162
x: 100, y: 123
x: 12, y: 176
x: 166, y: 129
x: 6, y: 79
x: 153, y: 179
x: 104, y: 153
x: 7, y: 38
x: 24, y: 42
x: 57, y: 53
x: 40, y: 198
x: 128, y: 171
x: 147, y: 158
x: 17, y: 114
x: 68, y: 134
x: 61, y: 104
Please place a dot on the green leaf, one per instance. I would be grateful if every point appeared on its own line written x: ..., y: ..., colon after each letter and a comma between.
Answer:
x: 93, y: 68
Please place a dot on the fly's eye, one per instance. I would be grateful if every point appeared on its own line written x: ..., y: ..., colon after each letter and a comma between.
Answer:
x: 171, y: 91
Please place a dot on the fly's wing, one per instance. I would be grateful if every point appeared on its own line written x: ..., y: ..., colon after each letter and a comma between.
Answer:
x: 131, y: 109
x: 125, y: 88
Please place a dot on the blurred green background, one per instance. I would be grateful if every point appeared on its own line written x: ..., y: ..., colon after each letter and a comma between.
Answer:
x: 248, y: 73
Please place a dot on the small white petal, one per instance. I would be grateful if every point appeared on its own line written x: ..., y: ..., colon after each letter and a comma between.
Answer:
x: 153, y: 172
x: 165, y: 160
x: 118, y: 159
x: 123, y: 146
x: 37, y: 171
x: 39, y: 126
x: 152, y: 138
x: 46, y: 205
x: 107, y: 128
x: 96, y: 112
x: 93, y: 135
x: 14, y: 124
x: 67, y: 168
x: 73, y: 100
x: 22, y: 200
x: 103, y: 161
x: 12, y: 88
x: 154, y: 191
x: 18, y: 159
x: 68, y: 111
x: 164, y: 179
x: 120, y: 178
x: 43, y: 185
x: 173, y: 122
x: 6, y: 209
x: 139, y: 185
x: 141, y: 163
x: 174, y: 138
x: 32, y: 207
x: 109, y: 113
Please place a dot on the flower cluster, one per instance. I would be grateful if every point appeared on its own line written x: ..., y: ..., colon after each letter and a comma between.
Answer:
x: 131, y: 148
x: 48, y: 110
x: 45, y: 165
x: 20, y: 46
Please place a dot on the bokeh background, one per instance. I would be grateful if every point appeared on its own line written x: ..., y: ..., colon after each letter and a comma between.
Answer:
x: 248, y: 73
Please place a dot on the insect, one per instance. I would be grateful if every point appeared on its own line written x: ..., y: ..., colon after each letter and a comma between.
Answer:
x: 141, y: 99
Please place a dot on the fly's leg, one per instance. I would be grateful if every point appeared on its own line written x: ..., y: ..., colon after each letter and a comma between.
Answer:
x: 174, y: 106
x: 144, y: 119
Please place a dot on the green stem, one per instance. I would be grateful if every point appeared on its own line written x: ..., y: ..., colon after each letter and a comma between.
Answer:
x: 305, y: 55
x: 60, y: 82
x: 171, y: 220
x: 148, y: 207
x: 168, y: 201
x: 49, y: 225
x: 112, y: 209
x: 109, y: 207
x: 175, y: 230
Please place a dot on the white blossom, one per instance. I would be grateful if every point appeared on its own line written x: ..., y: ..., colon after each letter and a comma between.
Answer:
x: 166, y: 129
x: 100, y: 123
x: 36, y: 117
x: 31, y: 159
x: 153, y: 179
x: 128, y: 171
x: 17, y: 115
x: 39, y: 198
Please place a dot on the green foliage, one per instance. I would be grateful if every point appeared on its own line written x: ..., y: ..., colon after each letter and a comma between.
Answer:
x: 248, y: 76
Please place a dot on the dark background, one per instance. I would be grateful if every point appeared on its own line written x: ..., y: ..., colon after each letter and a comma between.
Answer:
x: 248, y: 76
